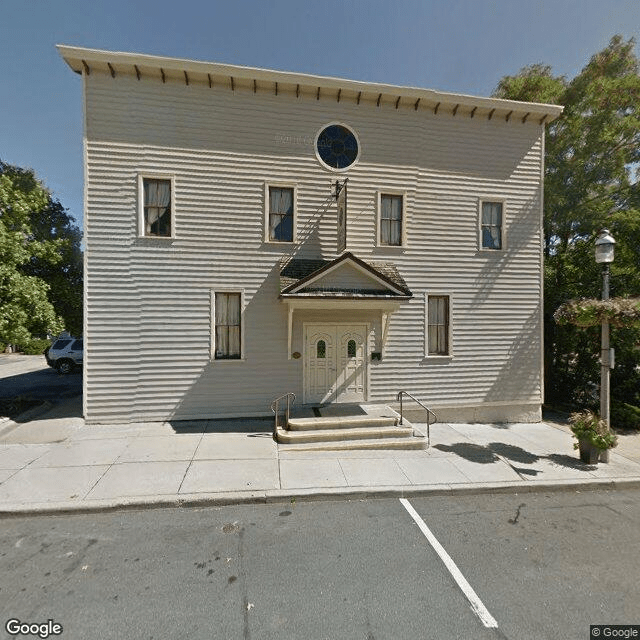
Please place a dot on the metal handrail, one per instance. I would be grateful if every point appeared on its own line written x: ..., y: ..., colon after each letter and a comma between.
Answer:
x: 274, y: 408
x: 429, y: 411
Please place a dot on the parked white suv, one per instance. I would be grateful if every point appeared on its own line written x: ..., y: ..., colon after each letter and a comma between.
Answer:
x: 65, y: 354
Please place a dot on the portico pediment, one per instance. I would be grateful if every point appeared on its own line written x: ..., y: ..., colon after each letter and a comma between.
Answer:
x: 346, y: 277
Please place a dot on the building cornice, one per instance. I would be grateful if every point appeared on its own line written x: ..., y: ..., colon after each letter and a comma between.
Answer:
x: 233, y: 77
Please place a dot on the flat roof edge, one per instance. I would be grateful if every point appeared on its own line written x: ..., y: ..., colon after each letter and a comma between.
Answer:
x: 77, y: 57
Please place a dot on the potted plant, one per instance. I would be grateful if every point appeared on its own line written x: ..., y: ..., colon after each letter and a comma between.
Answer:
x: 592, y: 435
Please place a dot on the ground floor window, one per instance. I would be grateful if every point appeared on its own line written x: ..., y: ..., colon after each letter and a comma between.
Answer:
x: 438, y: 326
x: 228, y: 326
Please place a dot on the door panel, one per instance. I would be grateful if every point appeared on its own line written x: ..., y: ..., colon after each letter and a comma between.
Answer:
x: 351, y: 378
x: 335, y: 363
x: 320, y: 366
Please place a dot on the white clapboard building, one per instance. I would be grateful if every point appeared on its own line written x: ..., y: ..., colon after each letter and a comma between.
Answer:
x: 252, y: 233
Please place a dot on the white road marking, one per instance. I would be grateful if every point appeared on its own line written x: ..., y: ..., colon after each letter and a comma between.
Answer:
x: 476, y: 604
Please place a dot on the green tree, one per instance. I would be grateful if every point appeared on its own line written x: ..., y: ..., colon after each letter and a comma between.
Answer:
x: 591, y: 154
x: 37, y: 248
x: 64, y: 276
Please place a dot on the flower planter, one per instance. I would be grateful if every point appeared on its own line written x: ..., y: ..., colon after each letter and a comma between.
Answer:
x: 588, y: 453
x: 619, y: 312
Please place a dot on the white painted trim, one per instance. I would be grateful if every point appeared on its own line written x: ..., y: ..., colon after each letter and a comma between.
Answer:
x: 323, y: 164
x: 265, y: 219
x: 384, y: 330
x: 85, y: 257
x: 403, y: 230
x: 212, y: 325
x: 503, y: 231
x: 156, y: 176
x: 367, y: 360
x: 289, y: 331
x: 125, y: 61
x: 542, y: 240
x: 433, y: 356
x: 336, y: 303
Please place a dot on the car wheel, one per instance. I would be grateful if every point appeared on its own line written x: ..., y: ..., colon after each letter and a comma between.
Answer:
x: 65, y: 366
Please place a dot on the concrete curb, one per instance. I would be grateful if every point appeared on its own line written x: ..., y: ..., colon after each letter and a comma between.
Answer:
x: 275, y: 496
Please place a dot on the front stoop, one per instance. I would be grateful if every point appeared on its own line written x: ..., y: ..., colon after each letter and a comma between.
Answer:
x: 332, y: 433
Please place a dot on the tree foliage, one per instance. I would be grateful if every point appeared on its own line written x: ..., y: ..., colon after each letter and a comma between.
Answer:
x: 40, y: 266
x: 64, y: 277
x: 591, y: 156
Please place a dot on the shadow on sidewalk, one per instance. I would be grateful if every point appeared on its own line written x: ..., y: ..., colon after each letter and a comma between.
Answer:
x: 494, y: 451
x: 253, y: 427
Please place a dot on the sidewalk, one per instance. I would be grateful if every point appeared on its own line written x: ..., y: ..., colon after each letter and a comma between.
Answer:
x: 232, y: 461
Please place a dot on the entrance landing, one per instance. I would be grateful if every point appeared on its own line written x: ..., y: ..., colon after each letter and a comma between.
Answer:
x: 349, y: 426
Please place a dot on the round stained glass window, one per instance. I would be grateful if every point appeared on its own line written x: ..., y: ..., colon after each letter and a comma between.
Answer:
x: 337, y: 146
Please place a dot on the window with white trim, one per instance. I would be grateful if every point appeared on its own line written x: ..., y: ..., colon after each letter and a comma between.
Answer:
x: 281, y: 204
x: 438, y: 326
x: 491, y: 225
x: 391, y: 220
x: 157, y: 207
x: 228, y: 326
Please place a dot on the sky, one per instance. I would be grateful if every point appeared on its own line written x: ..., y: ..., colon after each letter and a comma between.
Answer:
x: 462, y: 46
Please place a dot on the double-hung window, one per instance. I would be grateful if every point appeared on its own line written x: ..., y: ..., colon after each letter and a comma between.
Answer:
x: 228, y: 326
x: 491, y: 225
x: 281, y: 205
x: 156, y: 215
x: 391, y: 220
x: 438, y: 326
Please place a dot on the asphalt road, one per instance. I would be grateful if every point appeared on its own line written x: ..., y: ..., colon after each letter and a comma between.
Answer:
x: 30, y: 375
x: 544, y: 566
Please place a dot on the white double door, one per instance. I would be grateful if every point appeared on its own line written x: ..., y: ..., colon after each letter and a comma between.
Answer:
x: 335, y: 363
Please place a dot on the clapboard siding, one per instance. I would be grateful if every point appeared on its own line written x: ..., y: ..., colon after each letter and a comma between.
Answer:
x: 148, y: 301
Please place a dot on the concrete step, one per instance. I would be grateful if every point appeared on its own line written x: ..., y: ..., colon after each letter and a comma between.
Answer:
x: 342, y: 434
x: 340, y: 422
x: 350, y: 445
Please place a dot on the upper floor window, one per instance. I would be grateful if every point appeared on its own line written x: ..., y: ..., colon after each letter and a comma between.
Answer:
x: 391, y: 222
x: 156, y: 216
x: 337, y: 146
x: 281, y: 214
x: 491, y: 225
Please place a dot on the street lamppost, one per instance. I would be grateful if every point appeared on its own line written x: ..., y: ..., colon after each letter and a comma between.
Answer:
x: 604, y: 255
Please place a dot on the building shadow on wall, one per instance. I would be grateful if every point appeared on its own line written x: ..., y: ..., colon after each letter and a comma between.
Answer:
x: 483, y: 161
x: 249, y: 386
x: 518, y: 238
x: 519, y: 378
